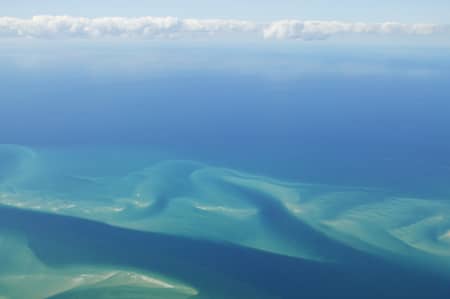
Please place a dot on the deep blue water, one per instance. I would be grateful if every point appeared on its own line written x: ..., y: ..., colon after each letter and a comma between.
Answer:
x: 373, y: 130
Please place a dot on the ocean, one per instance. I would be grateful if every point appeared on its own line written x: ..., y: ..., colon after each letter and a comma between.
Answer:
x: 308, y: 173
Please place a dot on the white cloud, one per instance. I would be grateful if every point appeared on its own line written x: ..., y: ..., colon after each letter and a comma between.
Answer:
x: 141, y: 28
x: 316, y: 30
x: 57, y: 27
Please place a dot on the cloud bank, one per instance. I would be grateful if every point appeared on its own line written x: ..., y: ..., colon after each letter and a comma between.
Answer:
x: 140, y: 28
x: 64, y: 27
x: 316, y: 30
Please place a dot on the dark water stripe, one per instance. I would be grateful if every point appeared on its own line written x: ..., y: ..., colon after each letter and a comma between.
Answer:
x: 276, y: 218
x: 216, y: 270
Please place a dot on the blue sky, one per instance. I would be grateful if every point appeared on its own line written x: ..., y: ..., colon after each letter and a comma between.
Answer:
x: 436, y: 11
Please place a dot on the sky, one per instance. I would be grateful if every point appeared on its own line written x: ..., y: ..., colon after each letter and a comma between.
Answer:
x: 436, y: 11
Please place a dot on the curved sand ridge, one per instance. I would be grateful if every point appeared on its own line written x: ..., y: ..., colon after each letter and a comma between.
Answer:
x: 23, y: 275
x: 196, y: 200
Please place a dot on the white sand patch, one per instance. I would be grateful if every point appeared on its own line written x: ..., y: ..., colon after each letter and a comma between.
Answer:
x: 445, y: 236
x: 227, y: 210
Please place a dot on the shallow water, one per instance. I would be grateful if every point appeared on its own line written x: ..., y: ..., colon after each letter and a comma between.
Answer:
x: 208, y: 231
